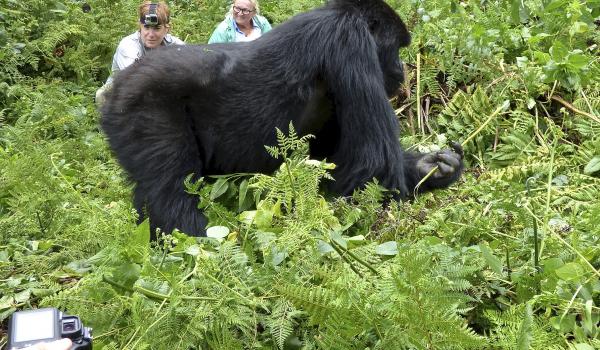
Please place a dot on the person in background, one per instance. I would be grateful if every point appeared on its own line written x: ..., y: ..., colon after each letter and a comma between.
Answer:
x: 153, y: 33
x: 242, y: 23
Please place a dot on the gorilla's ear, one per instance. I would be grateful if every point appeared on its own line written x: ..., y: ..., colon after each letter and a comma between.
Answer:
x: 373, y: 24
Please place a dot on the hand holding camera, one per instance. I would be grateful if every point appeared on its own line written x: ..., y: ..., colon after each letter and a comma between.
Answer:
x: 45, y: 329
x: 63, y: 344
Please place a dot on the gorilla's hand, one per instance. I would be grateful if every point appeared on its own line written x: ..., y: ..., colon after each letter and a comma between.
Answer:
x: 448, y: 162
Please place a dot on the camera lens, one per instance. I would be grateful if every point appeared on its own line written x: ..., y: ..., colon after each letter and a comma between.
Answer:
x: 68, y: 326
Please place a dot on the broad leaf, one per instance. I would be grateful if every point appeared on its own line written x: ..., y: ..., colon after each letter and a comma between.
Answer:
x: 570, y: 271
x: 217, y: 232
x: 387, y: 248
x: 593, y: 166
x: 219, y: 188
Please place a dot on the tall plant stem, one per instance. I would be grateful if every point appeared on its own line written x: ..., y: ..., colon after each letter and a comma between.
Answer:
x: 419, y: 121
x: 359, y: 260
x: 471, y: 137
x: 536, y: 244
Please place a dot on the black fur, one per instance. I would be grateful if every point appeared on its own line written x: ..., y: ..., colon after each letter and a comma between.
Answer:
x: 210, y: 109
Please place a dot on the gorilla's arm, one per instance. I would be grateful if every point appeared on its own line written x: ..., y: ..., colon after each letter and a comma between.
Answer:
x: 368, y: 136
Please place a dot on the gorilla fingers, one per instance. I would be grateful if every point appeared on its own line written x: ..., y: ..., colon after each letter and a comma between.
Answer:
x: 449, y: 164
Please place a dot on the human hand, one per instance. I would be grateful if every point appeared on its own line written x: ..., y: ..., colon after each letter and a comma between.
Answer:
x: 62, y: 344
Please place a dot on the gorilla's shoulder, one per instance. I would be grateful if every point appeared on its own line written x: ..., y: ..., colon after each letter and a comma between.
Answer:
x: 191, y: 55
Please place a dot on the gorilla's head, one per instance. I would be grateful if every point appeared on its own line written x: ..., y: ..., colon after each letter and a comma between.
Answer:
x: 390, y: 35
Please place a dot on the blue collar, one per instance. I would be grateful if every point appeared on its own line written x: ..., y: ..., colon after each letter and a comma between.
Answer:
x: 237, y: 29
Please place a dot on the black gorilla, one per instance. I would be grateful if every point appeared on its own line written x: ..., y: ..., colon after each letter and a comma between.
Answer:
x: 210, y: 109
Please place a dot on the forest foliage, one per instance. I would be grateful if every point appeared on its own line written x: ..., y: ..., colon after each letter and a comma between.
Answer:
x: 508, y: 258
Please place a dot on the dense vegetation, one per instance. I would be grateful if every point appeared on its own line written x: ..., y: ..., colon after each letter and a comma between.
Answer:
x: 507, y: 259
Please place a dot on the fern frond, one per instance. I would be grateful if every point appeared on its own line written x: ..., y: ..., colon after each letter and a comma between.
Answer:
x: 318, y: 302
x: 280, y: 322
x: 519, y: 326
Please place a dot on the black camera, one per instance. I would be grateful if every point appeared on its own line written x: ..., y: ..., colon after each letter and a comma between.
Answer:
x: 27, y: 328
x: 150, y: 19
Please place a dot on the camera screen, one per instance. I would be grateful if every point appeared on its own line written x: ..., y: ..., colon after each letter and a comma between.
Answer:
x: 35, y: 325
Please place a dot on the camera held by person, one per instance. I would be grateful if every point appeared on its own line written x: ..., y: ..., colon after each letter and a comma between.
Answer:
x: 40, y: 328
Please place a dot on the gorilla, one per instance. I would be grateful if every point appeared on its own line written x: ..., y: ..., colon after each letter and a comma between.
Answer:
x: 210, y: 109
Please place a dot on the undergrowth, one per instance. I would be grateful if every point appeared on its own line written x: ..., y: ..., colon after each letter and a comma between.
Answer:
x: 506, y: 259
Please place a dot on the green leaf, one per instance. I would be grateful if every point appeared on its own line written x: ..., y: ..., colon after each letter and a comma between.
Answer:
x: 247, y: 217
x: 219, y: 187
x: 337, y: 237
x: 493, y: 262
x: 141, y: 236
x: 263, y: 218
x: 582, y: 346
x: 243, y: 192
x: 23, y: 296
x: 324, y: 247
x: 357, y: 241
x: 537, y: 38
x: 126, y: 274
x: 550, y: 265
x: 564, y: 324
x: 6, y: 313
x: 160, y: 287
x: 387, y: 248
x: 264, y: 239
x: 79, y: 267
x: 578, y: 28
x: 217, y: 232
x: 518, y: 12
x: 554, y: 5
x: 524, y: 335
x: 578, y: 61
x: 13, y: 282
x: 588, y: 321
x: 6, y: 302
x: 559, y: 51
x: 593, y: 166
x: 432, y: 240
x: 277, y: 256
x: 570, y: 271
x: 193, y: 250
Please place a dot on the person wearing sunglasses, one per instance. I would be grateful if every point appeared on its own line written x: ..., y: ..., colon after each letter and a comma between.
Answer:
x: 153, y: 32
x: 242, y: 23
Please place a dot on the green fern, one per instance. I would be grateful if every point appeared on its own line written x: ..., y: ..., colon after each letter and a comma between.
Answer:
x: 464, y: 114
x: 281, y: 321
x: 518, y: 329
x: 318, y: 302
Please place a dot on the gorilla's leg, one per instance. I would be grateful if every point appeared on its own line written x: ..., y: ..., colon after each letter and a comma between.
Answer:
x: 157, y: 146
x: 169, y: 207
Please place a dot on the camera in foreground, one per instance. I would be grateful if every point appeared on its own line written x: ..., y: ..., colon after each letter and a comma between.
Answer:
x: 27, y: 328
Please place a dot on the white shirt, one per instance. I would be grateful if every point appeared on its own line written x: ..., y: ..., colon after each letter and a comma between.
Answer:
x: 240, y: 36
